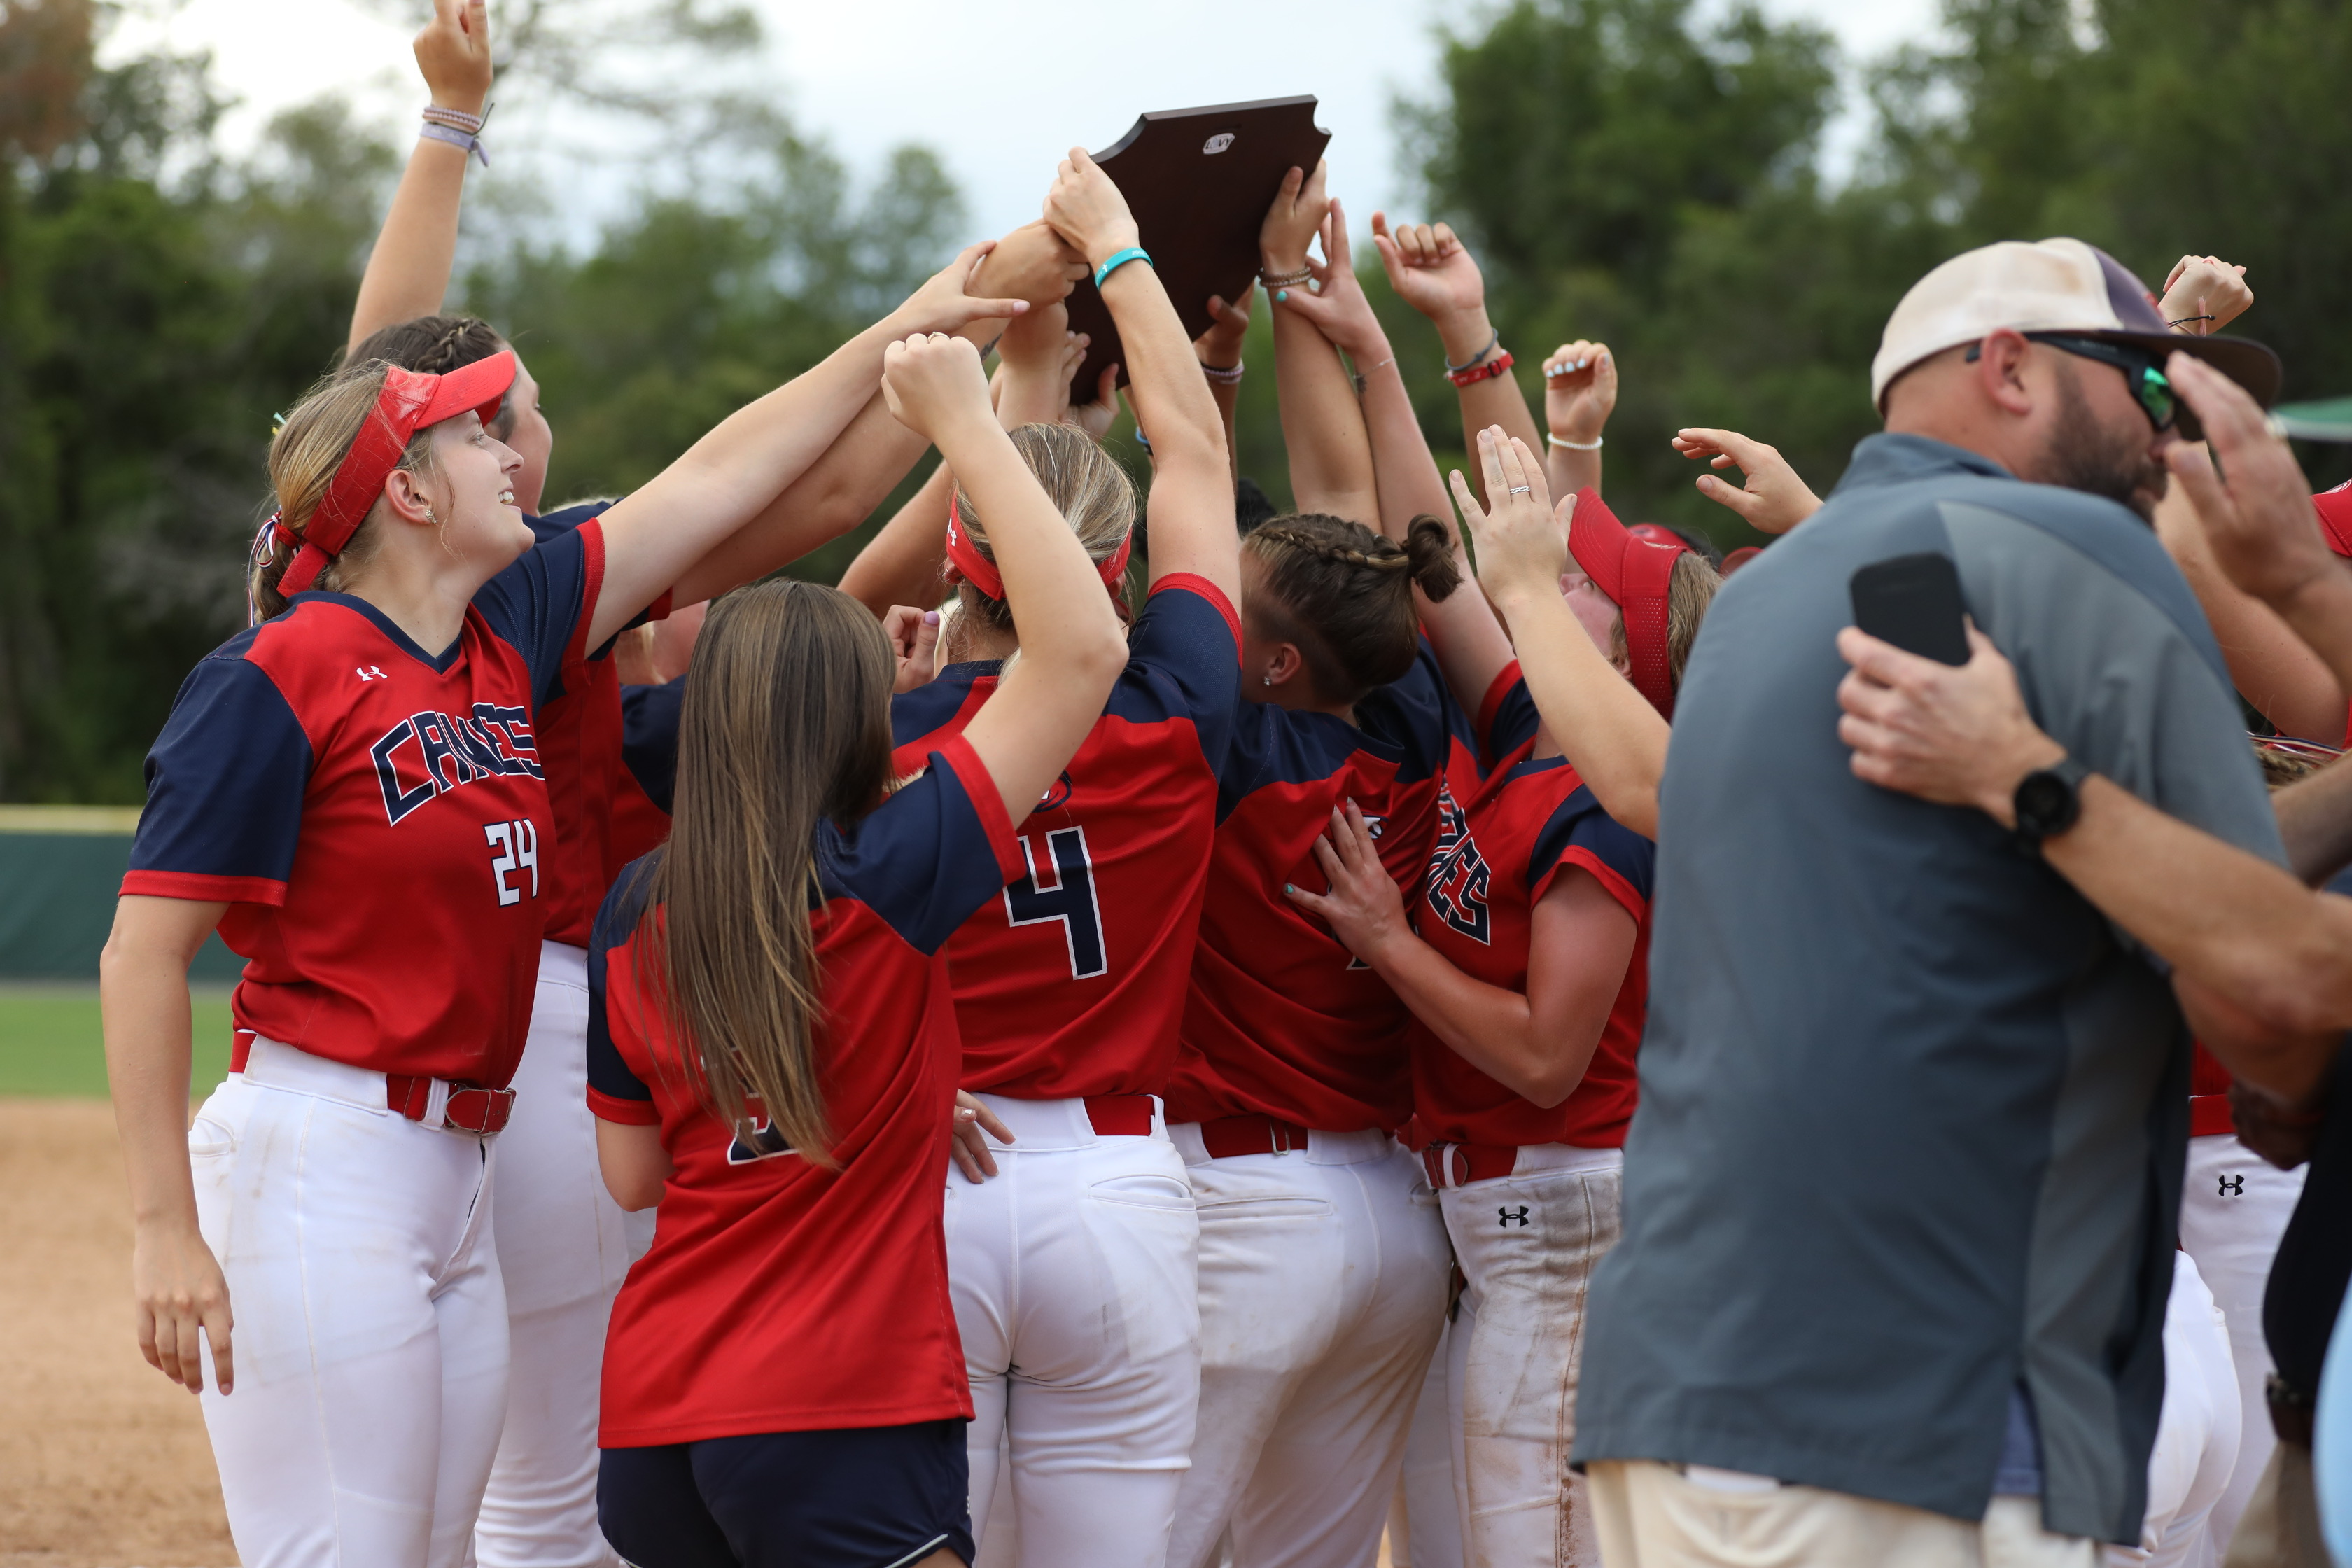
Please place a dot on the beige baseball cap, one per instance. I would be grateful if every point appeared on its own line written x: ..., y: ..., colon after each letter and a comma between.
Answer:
x: 2053, y: 286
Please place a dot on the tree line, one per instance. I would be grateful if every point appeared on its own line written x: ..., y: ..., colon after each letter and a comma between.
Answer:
x: 1640, y: 171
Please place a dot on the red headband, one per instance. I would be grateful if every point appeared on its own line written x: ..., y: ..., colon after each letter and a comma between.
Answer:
x: 1634, y: 572
x: 981, y: 574
x: 409, y: 402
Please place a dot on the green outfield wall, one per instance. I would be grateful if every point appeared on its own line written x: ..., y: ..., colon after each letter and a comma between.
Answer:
x: 60, y: 869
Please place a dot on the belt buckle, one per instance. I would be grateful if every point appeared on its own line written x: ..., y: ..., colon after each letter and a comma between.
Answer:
x: 472, y: 1109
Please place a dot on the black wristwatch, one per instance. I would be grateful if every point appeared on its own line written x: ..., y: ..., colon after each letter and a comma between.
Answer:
x: 2048, y: 800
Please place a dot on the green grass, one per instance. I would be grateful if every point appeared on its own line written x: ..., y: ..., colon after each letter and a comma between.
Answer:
x: 51, y: 1041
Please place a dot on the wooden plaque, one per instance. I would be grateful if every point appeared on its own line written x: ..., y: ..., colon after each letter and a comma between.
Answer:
x: 1198, y: 181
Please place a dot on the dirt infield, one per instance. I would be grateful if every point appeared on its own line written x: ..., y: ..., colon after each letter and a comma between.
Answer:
x: 102, y: 1462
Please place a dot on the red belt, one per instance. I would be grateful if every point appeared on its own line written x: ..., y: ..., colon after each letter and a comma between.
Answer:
x: 1476, y: 1162
x: 1228, y: 1136
x: 1120, y: 1115
x: 470, y: 1107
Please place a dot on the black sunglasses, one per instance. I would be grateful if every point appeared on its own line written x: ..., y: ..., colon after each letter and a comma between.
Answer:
x: 2140, y: 368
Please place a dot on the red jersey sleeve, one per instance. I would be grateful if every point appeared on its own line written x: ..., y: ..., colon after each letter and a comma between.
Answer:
x: 226, y: 781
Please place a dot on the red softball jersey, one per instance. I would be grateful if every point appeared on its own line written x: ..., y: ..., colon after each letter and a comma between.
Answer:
x: 646, y: 771
x: 1072, y: 981
x: 376, y: 818
x: 779, y: 1296
x: 1282, y: 1020
x: 579, y: 742
x: 1498, y: 854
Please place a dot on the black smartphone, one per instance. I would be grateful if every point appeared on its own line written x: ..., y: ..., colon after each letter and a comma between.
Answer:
x: 1914, y: 601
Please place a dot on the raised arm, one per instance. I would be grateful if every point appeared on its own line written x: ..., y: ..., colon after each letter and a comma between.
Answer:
x: 1579, y: 394
x: 1191, y: 508
x: 1219, y: 350
x: 1322, y: 427
x: 1072, y: 646
x: 1432, y: 271
x: 1470, y: 643
x: 1771, y: 498
x: 728, y: 477
x: 2274, y: 669
x: 1607, y: 730
x: 408, y: 270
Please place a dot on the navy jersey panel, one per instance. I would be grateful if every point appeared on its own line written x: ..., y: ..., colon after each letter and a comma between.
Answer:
x: 563, y: 520
x: 224, y: 784
x: 650, y: 737
x: 1183, y: 662
x: 1580, y: 832
x: 614, y: 1092
x: 539, y: 604
x: 937, y: 850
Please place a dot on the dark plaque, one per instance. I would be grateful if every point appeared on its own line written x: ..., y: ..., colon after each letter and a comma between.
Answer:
x: 1198, y: 181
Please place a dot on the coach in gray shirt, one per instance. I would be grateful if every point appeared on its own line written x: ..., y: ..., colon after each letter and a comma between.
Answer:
x: 1900, y: 1198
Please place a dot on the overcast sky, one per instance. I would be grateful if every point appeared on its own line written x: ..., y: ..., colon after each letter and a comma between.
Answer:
x: 851, y: 73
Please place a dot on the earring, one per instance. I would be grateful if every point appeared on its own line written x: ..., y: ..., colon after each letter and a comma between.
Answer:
x: 1267, y: 678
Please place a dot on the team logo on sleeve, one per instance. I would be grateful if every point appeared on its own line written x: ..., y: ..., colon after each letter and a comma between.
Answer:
x: 1457, y: 873
x: 428, y: 754
x: 1069, y: 898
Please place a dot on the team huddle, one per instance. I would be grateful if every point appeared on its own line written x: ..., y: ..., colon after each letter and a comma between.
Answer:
x: 1107, y: 1038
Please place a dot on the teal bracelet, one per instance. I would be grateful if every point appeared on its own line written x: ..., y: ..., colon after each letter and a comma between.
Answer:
x: 1116, y: 260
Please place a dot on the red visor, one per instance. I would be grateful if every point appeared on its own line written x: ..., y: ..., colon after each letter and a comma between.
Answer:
x: 409, y: 402
x: 981, y: 574
x: 1633, y: 572
x: 2335, y: 508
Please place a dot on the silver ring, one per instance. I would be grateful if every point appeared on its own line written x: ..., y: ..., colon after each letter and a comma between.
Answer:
x: 1521, y: 489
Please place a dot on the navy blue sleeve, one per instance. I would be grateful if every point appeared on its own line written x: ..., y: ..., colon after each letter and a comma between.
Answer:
x: 930, y: 855
x: 540, y: 603
x: 1512, y: 720
x: 225, y: 786
x: 1579, y: 833
x: 557, y: 523
x: 616, y: 922
x: 1184, y: 661
x: 650, y: 737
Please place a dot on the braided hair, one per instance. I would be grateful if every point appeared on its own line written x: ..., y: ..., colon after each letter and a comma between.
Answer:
x: 436, y: 345
x: 1342, y: 594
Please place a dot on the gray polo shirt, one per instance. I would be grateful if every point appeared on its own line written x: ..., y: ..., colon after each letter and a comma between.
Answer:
x: 1912, y: 1113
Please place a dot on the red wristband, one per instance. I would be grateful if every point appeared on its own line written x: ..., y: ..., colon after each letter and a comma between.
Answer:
x: 1478, y: 372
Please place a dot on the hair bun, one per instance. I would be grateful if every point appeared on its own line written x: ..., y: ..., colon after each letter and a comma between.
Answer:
x: 1429, y: 550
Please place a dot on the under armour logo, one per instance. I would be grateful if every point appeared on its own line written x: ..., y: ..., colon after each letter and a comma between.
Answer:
x: 2233, y: 1186
x: 370, y: 672
x: 1513, y: 1217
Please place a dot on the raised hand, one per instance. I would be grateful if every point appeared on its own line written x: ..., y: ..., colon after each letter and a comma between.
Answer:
x: 1429, y: 269
x: 1033, y: 369
x: 1338, y: 307
x: 454, y: 53
x: 1220, y: 347
x: 1579, y: 390
x: 1088, y: 210
x: 2204, y: 294
x: 915, y: 640
x: 2259, y: 519
x: 1520, y: 541
x: 1772, y: 498
x: 1032, y: 263
x: 944, y: 303
x: 931, y: 381
x: 1294, y: 220
x: 1364, y: 908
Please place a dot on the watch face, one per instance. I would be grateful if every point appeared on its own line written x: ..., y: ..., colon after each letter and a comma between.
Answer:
x: 2041, y: 802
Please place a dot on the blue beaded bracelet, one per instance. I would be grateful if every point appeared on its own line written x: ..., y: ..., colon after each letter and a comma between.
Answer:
x: 1116, y: 260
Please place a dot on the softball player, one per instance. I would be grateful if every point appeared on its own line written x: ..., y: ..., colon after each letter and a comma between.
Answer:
x: 363, y: 819
x: 566, y: 1244
x: 751, y: 1413
x: 1527, y: 980
x: 1073, y: 1270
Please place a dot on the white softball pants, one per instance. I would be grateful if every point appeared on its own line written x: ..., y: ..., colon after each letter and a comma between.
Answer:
x: 371, y: 1337
x: 1425, y: 1523
x: 563, y: 1251
x: 2234, y: 1206
x: 1323, y: 1277
x: 2196, y: 1436
x: 1527, y: 1243
x: 1072, y: 1274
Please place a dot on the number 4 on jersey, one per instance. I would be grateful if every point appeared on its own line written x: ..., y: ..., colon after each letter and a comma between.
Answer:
x: 517, y: 844
x: 1070, y: 898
